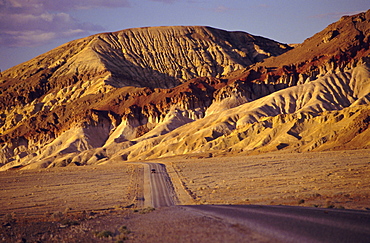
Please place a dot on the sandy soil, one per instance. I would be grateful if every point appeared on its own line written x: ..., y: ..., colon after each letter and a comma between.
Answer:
x: 170, y: 224
x: 102, y: 203
x: 338, y: 179
x: 49, y: 191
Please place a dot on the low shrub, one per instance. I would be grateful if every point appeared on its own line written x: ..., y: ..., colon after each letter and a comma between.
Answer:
x: 123, y: 229
x: 103, y: 234
x: 146, y: 210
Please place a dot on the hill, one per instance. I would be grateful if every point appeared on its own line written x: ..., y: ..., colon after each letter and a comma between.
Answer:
x: 165, y: 91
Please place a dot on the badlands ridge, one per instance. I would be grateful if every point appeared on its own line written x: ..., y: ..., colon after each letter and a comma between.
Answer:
x: 197, y: 91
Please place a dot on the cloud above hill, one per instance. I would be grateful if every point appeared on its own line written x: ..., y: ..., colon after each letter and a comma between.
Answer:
x: 164, y: 1
x: 36, y: 22
x: 335, y: 15
x: 35, y: 6
x: 37, y: 29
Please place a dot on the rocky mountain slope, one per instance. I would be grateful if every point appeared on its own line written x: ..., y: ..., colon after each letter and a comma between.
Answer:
x: 160, y: 57
x: 164, y: 91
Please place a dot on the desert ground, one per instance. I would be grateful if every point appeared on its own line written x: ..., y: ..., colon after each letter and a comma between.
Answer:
x: 101, y: 203
x: 339, y: 179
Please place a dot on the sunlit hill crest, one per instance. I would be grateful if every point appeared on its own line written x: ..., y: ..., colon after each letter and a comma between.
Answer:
x: 154, y: 92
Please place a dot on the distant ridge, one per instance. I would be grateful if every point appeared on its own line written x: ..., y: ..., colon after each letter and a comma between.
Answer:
x: 157, y: 57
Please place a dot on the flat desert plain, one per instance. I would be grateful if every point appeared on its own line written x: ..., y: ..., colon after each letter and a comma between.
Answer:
x: 103, y: 202
x: 336, y: 179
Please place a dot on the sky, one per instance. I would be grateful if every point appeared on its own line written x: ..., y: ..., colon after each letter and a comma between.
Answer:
x: 29, y: 28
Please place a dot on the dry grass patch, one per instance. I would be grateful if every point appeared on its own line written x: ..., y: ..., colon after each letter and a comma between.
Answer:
x: 46, y: 191
x: 305, y: 179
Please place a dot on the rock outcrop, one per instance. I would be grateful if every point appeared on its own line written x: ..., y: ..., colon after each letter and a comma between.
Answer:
x: 337, y: 48
x: 160, y: 57
x: 164, y: 91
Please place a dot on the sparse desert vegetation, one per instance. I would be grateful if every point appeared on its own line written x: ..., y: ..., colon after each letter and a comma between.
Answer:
x: 98, y: 203
x: 59, y: 190
x: 336, y: 179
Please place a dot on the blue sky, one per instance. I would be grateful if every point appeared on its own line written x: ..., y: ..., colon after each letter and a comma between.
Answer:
x: 31, y: 27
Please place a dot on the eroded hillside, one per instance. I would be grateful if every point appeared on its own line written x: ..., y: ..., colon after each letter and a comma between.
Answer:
x: 155, y: 92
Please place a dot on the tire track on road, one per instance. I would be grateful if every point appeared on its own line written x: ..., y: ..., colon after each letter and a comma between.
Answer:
x: 162, y: 193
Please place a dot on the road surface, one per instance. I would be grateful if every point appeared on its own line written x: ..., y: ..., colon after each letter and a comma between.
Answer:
x: 295, y: 224
x: 282, y: 223
x: 161, y: 192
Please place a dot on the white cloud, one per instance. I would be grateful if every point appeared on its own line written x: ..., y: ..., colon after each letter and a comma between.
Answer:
x: 59, y: 5
x: 84, y: 4
x: 25, y: 38
x: 35, y: 30
x: 221, y: 9
x: 37, y: 22
x: 335, y: 15
x: 164, y: 1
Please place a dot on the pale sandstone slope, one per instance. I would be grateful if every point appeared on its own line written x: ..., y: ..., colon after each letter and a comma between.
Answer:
x: 166, y: 56
x: 319, y: 115
x: 298, y: 117
x: 160, y: 57
x: 65, y: 88
x: 314, y: 97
